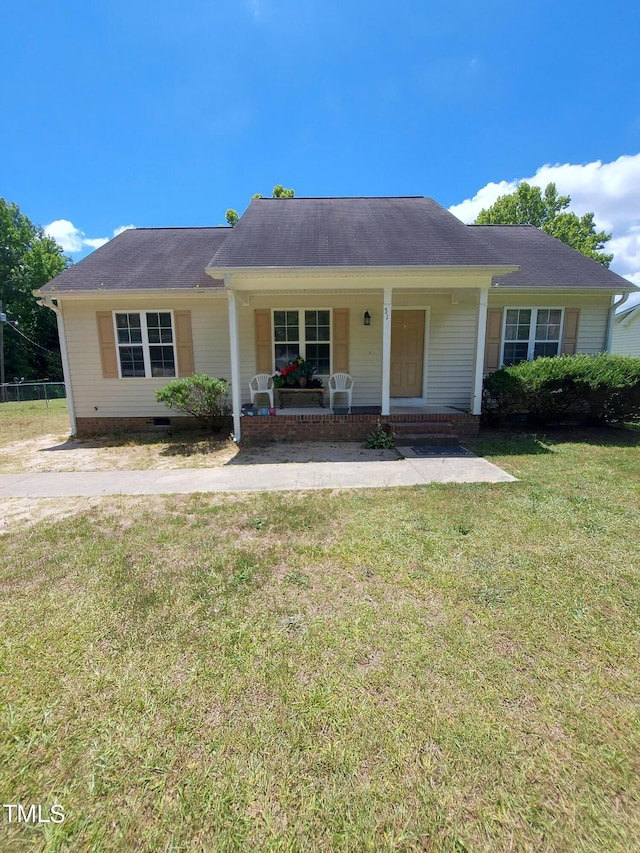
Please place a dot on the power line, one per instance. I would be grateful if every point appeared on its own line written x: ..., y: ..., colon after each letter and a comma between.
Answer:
x: 22, y: 334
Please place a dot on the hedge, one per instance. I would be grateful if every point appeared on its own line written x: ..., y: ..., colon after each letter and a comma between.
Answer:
x: 582, y: 388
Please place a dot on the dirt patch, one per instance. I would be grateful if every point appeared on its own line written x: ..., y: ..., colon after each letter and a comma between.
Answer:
x: 23, y: 512
x: 49, y: 453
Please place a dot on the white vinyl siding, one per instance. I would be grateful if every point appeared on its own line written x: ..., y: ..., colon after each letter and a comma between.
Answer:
x: 626, y: 336
x: 98, y: 397
x: 365, y: 352
x: 451, y: 356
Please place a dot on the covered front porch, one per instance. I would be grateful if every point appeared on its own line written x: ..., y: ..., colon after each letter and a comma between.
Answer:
x: 415, y: 351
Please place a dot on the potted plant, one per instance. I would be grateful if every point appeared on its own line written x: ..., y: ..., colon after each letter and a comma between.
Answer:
x: 297, y: 374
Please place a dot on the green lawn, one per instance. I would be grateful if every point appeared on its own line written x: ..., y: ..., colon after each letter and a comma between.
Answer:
x: 22, y: 421
x: 445, y: 668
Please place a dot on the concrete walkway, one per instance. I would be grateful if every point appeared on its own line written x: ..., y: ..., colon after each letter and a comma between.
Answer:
x: 410, y: 471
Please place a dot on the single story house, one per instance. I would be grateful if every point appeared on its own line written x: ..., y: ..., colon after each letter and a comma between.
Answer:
x: 397, y: 292
x: 626, y: 331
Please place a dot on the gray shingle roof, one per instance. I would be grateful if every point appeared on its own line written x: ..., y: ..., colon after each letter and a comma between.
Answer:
x: 146, y: 258
x: 346, y: 232
x: 545, y: 261
x: 338, y: 232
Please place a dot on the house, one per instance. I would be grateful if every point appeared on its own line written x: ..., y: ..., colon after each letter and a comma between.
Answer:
x: 626, y: 331
x: 414, y: 304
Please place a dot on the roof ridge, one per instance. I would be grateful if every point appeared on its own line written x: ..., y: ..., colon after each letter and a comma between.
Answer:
x: 342, y: 197
x: 177, y: 228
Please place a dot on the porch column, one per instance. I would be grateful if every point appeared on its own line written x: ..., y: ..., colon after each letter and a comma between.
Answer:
x: 386, y: 352
x: 234, y: 350
x: 476, y: 405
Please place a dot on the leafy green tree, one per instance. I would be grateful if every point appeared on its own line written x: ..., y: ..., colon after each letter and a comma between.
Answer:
x: 278, y: 192
x: 547, y: 210
x: 28, y: 260
x: 232, y: 217
x: 282, y: 192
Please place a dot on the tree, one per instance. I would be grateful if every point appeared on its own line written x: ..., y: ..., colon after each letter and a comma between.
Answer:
x: 28, y: 260
x: 278, y: 192
x: 548, y: 211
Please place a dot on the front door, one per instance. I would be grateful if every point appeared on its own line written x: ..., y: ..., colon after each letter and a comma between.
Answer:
x: 407, y: 353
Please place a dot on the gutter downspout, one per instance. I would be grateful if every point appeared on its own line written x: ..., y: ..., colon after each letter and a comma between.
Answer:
x: 611, y: 319
x: 47, y: 302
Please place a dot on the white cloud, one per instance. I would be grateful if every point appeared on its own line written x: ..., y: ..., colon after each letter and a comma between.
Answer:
x: 610, y: 190
x: 74, y: 240
x: 122, y: 228
x: 66, y: 234
x: 97, y: 242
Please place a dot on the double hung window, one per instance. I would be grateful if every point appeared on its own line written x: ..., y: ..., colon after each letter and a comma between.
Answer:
x: 145, y: 341
x: 305, y: 333
x: 530, y: 333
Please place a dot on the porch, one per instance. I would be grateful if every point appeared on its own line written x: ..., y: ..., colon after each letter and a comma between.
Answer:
x: 411, y: 424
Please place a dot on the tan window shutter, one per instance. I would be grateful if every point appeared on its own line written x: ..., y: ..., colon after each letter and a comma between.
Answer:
x: 264, y: 357
x: 340, y: 340
x: 570, y: 331
x: 184, y: 343
x: 107, y: 342
x: 492, y: 341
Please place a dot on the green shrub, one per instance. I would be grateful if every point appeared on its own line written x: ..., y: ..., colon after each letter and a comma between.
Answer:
x: 381, y: 438
x: 201, y: 396
x: 599, y: 388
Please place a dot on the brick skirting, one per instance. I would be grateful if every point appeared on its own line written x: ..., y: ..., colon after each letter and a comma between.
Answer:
x: 312, y: 427
x: 344, y: 427
x: 100, y: 426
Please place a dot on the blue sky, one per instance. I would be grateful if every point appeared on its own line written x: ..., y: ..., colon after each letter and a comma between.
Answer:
x: 155, y: 113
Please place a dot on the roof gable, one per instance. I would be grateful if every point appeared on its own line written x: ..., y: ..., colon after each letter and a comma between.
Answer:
x: 352, y: 232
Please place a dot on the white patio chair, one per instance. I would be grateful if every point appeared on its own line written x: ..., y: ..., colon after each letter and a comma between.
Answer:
x: 261, y: 383
x: 340, y: 383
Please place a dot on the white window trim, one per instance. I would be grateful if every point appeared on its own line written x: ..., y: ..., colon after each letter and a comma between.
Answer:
x: 532, y: 327
x: 301, y: 326
x: 145, y: 342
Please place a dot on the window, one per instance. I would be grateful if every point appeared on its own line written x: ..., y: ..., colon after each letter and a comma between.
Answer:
x: 146, y: 343
x: 305, y: 333
x: 530, y: 333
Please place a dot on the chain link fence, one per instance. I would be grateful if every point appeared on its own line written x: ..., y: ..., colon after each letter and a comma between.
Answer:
x: 26, y: 392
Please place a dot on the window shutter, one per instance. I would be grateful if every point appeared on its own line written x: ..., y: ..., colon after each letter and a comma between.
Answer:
x: 492, y: 340
x: 570, y: 331
x: 184, y: 342
x: 107, y: 342
x: 264, y: 356
x: 340, y: 340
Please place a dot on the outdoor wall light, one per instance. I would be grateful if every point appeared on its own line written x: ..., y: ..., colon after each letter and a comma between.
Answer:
x: 366, y: 319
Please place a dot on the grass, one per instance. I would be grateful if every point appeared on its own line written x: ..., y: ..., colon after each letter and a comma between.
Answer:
x: 445, y: 668
x: 23, y: 421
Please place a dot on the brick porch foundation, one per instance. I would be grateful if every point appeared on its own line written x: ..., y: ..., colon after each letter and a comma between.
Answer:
x: 312, y: 427
x: 319, y: 427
